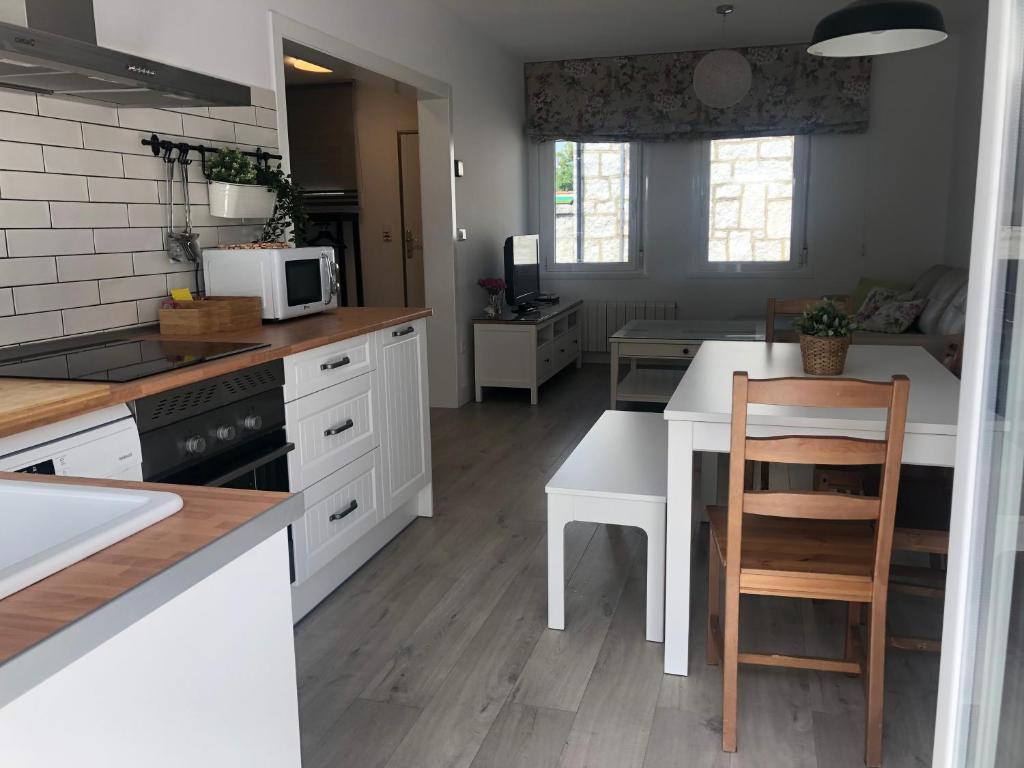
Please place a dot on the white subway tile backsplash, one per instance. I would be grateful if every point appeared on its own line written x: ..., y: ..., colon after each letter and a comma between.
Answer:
x: 205, y: 128
x: 17, y: 101
x: 144, y: 167
x: 72, y: 109
x: 20, y: 157
x: 49, y: 242
x: 129, y: 288
x: 112, y: 139
x: 157, y: 263
x: 94, y: 266
x: 245, y: 115
x: 89, y: 214
x: 82, y: 209
x: 253, y: 134
x: 21, y: 328
x: 42, y: 298
x: 99, y: 318
x: 40, y: 130
x: 85, y: 162
x: 266, y: 118
x: 263, y: 97
x: 24, y: 214
x: 116, y: 240
x: 21, y: 185
x: 148, y: 119
x: 120, y: 190
x: 27, y: 271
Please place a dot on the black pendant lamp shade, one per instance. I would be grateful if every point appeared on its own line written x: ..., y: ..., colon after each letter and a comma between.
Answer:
x: 873, y: 27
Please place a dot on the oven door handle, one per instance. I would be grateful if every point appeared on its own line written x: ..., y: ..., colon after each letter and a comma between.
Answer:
x: 249, y: 466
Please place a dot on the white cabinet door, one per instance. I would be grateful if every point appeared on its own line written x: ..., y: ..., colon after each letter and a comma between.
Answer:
x: 402, y: 368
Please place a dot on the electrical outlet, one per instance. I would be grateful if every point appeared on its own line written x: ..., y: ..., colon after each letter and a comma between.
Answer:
x: 387, y: 234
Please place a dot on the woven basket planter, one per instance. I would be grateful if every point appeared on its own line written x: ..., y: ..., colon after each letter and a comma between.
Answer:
x: 824, y: 355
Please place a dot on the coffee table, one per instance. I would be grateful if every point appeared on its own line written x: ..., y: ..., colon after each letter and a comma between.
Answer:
x: 677, y: 340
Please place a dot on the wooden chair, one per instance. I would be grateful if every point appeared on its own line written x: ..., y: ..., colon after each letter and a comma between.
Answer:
x: 791, y: 307
x: 807, y: 544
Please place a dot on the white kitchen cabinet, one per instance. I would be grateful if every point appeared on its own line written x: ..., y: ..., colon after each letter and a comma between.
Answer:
x: 381, y: 461
x: 406, y: 414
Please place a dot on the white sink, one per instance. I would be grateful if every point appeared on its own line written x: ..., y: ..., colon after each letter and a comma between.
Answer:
x: 46, y: 527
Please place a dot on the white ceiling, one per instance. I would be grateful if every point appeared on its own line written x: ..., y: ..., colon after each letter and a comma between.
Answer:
x: 539, y: 30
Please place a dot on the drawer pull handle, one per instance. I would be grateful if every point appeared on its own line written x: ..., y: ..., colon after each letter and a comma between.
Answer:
x: 403, y: 332
x: 335, y: 364
x: 352, y: 506
x: 339, y: 429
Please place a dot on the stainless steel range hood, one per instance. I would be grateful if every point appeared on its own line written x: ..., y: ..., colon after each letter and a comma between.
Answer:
x: 49, y: 46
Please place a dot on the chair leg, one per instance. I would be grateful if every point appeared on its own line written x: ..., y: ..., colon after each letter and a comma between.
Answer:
x: 714, y: 599
x: 875, y: 685
x: 852, y: 631
x: 730, y: 663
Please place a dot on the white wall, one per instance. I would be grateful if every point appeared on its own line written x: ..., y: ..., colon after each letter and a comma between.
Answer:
x: 231, y: 39
x: 877, y: 202
x: 966, y: 135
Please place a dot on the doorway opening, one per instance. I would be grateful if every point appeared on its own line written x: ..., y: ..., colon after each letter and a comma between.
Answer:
x: 370, y: 141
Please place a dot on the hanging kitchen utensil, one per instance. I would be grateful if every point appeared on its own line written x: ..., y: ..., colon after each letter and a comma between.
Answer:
x: 173, y: 241
x: 190, y: 239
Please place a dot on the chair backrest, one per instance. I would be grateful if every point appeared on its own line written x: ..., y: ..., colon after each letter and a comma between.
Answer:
x: 792, y: 307
x: 806, y: 449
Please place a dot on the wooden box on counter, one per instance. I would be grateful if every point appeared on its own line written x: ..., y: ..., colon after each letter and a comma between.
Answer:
x: 211, y: 314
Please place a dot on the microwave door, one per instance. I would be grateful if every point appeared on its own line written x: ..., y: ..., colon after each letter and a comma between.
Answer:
x: 304, y: 281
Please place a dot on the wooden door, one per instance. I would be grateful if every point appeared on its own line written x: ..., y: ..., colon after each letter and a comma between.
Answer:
x: 412, y: 217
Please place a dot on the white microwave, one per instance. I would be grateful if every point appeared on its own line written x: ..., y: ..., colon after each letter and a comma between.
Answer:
x: 290, y: 281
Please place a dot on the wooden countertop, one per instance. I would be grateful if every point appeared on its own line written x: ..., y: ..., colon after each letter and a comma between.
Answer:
x: 45, y: 609
x: 29, y: 403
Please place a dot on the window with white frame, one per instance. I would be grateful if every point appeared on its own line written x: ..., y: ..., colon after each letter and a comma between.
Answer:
x: 592, y: 206
x: 754, y: 200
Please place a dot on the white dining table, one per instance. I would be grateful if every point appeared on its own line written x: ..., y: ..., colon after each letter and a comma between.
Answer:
x: 699, y: 414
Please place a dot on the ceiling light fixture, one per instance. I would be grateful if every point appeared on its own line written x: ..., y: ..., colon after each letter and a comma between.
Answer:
x: 723, y: 77
x: 875, y: 27
x: 307, y: 66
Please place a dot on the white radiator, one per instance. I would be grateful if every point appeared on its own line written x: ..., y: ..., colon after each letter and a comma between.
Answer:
x: 603, y: 318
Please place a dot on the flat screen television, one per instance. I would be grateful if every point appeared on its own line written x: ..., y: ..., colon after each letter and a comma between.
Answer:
x: 522, y: 271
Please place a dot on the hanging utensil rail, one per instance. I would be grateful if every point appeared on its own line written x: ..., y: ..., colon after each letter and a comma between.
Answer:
x: 159, y: 145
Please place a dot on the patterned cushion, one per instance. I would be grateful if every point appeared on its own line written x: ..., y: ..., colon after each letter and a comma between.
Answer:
x: 878, y: 297
x: 894, y: 317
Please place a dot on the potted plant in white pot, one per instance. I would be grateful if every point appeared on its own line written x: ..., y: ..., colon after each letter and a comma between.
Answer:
x: 236, y: 191
x: 824, y: 338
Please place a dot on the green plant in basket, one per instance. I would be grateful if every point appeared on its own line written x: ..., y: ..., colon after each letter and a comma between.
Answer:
x: 825, y: 320
x: 232, y: 167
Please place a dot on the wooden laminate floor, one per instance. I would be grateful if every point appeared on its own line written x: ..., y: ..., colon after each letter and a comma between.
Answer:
x: 436, y: 653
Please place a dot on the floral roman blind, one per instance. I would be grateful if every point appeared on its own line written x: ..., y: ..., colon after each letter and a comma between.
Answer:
x: 651, y: 97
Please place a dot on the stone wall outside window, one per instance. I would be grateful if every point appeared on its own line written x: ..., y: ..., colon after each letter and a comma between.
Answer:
x: 605, y: 208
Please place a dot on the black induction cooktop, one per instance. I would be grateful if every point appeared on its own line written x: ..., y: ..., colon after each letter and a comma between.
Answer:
x: 115, y: 359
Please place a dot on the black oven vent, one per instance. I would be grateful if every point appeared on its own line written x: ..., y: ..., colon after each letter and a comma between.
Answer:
x: 192, y: 399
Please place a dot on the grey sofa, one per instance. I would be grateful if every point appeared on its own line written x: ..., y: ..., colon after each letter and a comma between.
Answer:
x: 942, y: 321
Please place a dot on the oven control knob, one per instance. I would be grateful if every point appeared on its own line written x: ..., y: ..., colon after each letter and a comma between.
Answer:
x: 195, y: 445
x: 253, y: 422
x: 225, y: 433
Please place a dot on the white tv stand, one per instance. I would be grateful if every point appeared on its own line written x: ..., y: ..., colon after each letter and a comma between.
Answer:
x: 524, y: 352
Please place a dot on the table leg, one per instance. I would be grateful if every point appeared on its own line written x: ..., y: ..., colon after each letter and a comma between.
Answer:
x: 615, y: 374
x: 559, y: 515
x: 678, y: 536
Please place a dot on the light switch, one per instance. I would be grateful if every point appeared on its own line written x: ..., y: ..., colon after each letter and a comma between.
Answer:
x: 461, y: 234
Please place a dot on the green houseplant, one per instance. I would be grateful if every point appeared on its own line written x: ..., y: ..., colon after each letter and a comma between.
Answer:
x: 236, y: 191
x: 289, y: 210
x: 824, y: 338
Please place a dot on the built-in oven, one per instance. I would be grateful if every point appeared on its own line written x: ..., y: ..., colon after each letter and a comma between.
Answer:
x: 227, y: 432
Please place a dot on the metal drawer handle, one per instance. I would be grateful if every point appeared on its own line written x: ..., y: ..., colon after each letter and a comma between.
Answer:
x: 339, y: 429
x: 403, y: 332
x: 335, y: 364
x: 352, y: 506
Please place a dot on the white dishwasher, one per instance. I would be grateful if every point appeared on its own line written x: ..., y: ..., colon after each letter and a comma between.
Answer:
x: 100, y: 444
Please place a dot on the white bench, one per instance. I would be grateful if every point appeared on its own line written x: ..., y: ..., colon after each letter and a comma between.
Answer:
x: 616, y: 475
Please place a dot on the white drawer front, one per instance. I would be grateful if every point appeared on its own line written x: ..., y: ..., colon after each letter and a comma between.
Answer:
x: 341, y: 509
x: 319, y: 368
x: 330, y: 428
